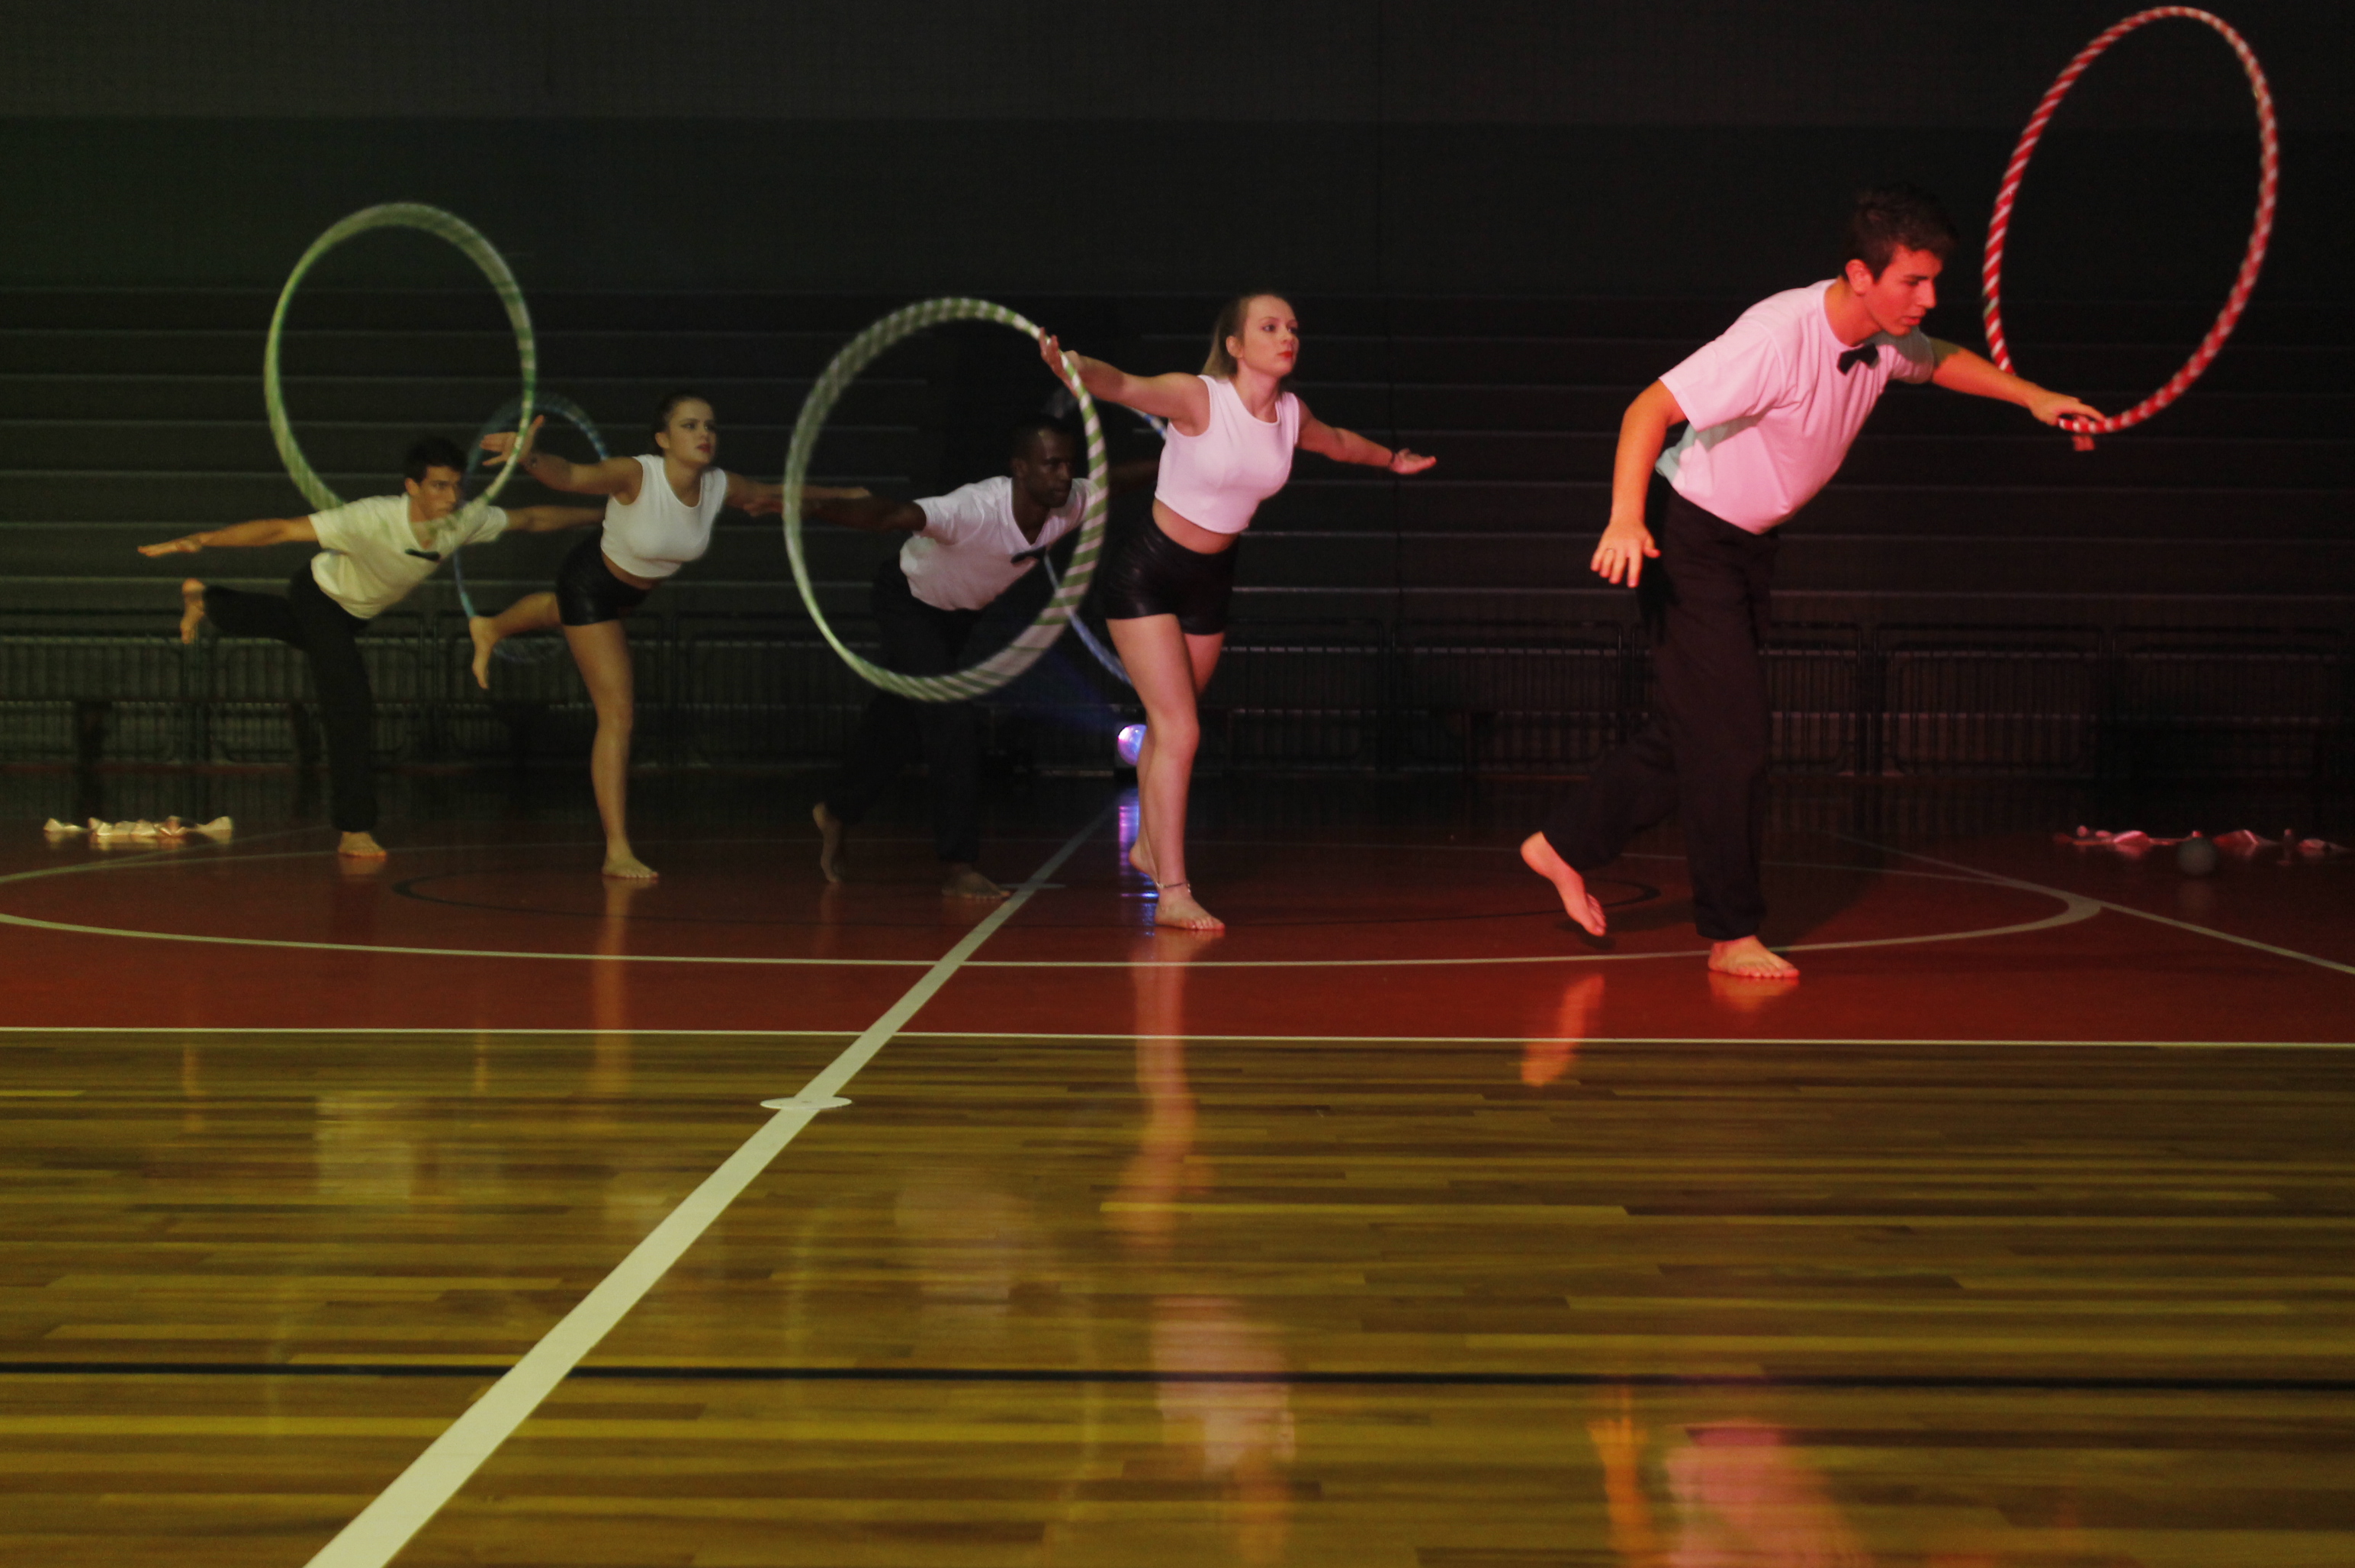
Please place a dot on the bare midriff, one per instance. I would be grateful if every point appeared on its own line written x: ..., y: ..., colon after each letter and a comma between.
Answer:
x: 1193, y: 536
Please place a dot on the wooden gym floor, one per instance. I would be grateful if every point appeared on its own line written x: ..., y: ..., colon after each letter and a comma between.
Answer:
x: 1401, y: 1225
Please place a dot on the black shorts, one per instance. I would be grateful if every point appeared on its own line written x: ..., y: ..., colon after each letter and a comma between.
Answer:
x: 587, y: 591
x: 1153, y: 574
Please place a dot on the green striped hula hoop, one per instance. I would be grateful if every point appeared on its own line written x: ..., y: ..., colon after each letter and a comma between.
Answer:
x: 1023, y: 651
x: 395, y: 214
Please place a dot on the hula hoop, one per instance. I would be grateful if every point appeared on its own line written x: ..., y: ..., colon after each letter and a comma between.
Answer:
x: 538, y: 649
x: 1088, y: 639
x: 393, y: 215
x: 2252, y: 261
x: 1024, y: 650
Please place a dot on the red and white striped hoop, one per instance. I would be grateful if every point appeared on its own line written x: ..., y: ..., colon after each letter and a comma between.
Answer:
x: 2268, y: 175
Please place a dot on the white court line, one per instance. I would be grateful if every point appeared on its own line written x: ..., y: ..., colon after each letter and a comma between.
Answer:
x: 174, y: 1031
x: 2074, y: 909
x: 386, y: 1525
x: 1988, y: 876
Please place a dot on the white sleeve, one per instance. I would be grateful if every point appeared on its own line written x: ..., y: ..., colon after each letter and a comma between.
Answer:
x: 953, y: 516
x: 488, y: 527
x: 340, y: 528
x: 1739, y: 374
x: 1917, y: 358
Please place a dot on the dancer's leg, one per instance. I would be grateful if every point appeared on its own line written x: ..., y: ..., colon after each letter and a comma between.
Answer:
x: 235, y: 612
x: 532, y: 613
x: 1713, y: 685
x: 602, y: 652
x: 1169, y: 668
x: 330, y: 636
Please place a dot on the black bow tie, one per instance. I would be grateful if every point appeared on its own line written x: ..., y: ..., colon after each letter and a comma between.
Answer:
x: 1026, y: 557
x: 424, y: 554
x: 1870, y: 353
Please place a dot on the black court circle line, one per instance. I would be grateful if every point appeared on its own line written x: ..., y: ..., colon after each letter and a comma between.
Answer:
x: 1643, y: 893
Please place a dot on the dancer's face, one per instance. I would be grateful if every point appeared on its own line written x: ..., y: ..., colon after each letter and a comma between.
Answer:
x: 693, y: 433
x: 1905, y: 292
x: 1045, y: 467
x: 1270, y: 343
x: 436, y: 495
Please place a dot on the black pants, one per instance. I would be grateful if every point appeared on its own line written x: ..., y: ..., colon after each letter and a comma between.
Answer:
x: 918, y: 639
x: 328, y: 635
x: 1702, y: 759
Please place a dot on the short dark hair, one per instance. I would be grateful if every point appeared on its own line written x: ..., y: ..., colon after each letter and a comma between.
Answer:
x: 1018, y: 440
x: 669, y: 406
x: 1889, y: 216
x: 431, y: 452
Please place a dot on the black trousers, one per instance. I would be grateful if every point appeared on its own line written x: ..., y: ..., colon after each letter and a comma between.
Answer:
x: 328, y: 635
x: 1702, y: 759
x: 918, y: 639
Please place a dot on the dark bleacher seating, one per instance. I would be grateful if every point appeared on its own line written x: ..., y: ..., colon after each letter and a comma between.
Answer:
x: 1971, y: 594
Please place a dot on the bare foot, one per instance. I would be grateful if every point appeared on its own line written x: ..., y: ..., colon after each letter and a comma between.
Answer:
x: 478, y: 627
x: 964, y: 882
x: 621, y: 863
x: 830, y: 829
x: 361, y: 847
x: 192, y: 608
x: 1750, y: 957
x: 1585, y: 908
x: 1176, y: 908
x: 1140, y: 858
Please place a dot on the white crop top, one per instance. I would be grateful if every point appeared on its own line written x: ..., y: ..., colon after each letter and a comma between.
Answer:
x: 1215, y: 480
x: 656, y: 535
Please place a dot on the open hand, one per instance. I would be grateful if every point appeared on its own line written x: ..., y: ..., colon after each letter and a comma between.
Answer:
x: 1625, y: 548
x: 184, y: 545
x: 1405, y: 462
x: 501, y: 444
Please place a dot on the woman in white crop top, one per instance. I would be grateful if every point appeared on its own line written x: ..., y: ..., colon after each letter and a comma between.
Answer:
x: 1229, y: 447
x: 659, y: 511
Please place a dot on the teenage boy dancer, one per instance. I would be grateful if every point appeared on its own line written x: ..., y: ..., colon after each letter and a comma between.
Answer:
x: 1770, y: 410
x: 970, y: 545
x: 373, y: 551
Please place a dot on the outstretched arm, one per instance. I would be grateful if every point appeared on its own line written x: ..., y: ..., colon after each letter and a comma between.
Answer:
x: 1349, y: 446
x: 768, y: 500
x: 857, y: 510
x: 549, y: 519
x: 1960, y: 371
x: 1626, y: 543
x: 611, y: 477
x: 239, y: 536
x: 1179, y: 398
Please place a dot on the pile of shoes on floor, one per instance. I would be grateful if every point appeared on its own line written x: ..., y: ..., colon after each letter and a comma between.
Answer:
x: 163, y: 832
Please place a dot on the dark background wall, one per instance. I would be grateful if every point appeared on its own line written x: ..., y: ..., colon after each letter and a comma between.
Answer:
x: 1407, y: 146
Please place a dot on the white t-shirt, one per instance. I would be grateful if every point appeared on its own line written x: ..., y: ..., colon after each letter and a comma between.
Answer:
x: 656, y: 534
x: 370, y: 558
x: 965, y: 556
x: 1771, y: 414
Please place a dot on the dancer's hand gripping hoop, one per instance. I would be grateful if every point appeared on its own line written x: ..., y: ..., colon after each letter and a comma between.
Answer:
x: 395, y: 214
x: 1024, y: 650
x: 2268, y: 174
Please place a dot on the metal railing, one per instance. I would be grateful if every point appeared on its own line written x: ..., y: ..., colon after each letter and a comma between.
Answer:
x: 1491, y: 698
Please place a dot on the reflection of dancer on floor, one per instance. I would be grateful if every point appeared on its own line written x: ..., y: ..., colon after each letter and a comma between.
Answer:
x: 1229, y: 447
x: 1770, y: 409
x: 970, y: 545
x: 659, y: 512
x: 372, y: 553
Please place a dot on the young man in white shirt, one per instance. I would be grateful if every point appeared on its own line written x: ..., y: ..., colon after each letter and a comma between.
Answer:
x: 375, y: 551
x: 1770, y: 409
x: 971, y: 545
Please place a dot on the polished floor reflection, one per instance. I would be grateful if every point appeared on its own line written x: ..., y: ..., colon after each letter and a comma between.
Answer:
x: 2016, y: 1234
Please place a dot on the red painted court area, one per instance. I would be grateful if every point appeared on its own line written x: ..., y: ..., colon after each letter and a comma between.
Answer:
x: 1361, y: 931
